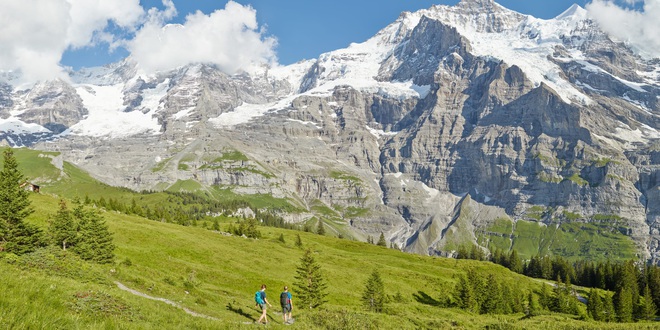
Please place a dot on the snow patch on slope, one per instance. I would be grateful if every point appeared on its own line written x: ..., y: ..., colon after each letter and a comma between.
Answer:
x: 16, y: 126
x: 152, y: 98
x: 358, y: 65
x: 106, y: 117
x: 246, y: 112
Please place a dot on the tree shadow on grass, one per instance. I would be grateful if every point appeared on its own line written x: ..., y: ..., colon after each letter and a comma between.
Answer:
x: 424, y: 298
x: 239, y: 311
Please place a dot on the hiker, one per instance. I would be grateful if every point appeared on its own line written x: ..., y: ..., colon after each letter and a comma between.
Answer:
x: 260, y: 299
x: 285, y: 302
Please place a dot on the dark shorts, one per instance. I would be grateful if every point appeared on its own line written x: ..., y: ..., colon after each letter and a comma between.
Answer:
x: 286, y: 308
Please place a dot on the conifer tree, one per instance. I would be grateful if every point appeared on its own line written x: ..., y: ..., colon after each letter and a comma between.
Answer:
x: 381, y: 240
x: 508, y: 299
x: 515, y: 264
x: 24, y: 238
x: 654, y: 284
x: 281, y: 238
x: 370, y: 240
x: 493, y: 300
x: 545, y: 297
x: 463, y: 252
x: 645, y: 306
x: 595, y: 306
x: 310, y: 284
x: 62, y: 228
x: 14, y: 199
x: 609, y: 314
x: 320, y: 229
x: 533, y: 307
x: 251, y: 228
x: 94, y: 241
x: 624, y: 304
x: 299, y: 243
x: 17, y: 236
x: 466, y: 295
x: 374, y: 296
x: 476, y: 253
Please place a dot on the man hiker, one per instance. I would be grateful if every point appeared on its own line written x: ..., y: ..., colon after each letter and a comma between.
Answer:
x: 285, y: 302
x: 260, y: 299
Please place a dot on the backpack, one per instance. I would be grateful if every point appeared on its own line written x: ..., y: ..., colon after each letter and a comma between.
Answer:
x: 258, y: 298
x: 284, y: 298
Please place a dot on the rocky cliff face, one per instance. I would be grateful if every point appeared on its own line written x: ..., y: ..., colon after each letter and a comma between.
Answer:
x: 445, y: 123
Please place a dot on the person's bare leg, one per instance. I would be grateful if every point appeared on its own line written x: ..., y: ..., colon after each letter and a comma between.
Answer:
x: 263, y: 317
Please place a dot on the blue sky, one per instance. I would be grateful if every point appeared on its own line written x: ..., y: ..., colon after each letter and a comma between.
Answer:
x: 306, y: 28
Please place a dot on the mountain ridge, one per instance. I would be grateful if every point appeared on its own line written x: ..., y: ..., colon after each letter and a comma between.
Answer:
x: 511, y: 111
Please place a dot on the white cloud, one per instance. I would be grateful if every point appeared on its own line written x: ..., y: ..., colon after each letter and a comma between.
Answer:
x: 229, y: 38
x: 90, y: 16
x: 640, y: 29
x: 35, y: 33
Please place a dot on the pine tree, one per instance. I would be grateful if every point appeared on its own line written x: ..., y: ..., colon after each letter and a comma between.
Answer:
x: 654, y: 284
x: 299, y: 243
x: 62, y: 228
x: 309, y: 282
x: 595, y: 305
x: 508, y: 299
x: 17, y: 236
x: 24, y: 238
x: 545, y: 297
x: 370, y: 240
x: 14, y: 199
x: 476, y: 253
x: 493, y: 300
x: 609, y: 314
x: 533, y: 307
x: 463, y: 252
x: 94, y: 241
x: 381, y: 240
x: 515, y: 264
x: 466, y: 295
x: 646, y: 307
x: 281, y: 239
x: 320, y: 229
x: 624, y: 304
x: 374, y: 296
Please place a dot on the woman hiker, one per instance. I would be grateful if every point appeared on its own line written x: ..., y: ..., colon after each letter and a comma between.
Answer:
x: 262, y: 301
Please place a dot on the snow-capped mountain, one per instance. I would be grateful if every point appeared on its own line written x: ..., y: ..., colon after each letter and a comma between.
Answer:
x: 445, y: 121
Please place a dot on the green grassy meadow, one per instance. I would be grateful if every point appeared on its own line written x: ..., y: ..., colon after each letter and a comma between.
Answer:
x: 216, y: 275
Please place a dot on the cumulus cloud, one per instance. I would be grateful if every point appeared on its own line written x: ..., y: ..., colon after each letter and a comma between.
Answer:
x: 640, y: 29
x: 35, y: 33
x: 229, y: 38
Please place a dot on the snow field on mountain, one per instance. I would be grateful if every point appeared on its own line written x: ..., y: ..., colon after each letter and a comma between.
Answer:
x: 152, y: 98
x: 106, y: 117
x: 358, y: 66
x: 15, y: 125
x: 246, y: 112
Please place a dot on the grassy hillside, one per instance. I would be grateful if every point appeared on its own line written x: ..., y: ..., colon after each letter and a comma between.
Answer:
x: 216, y: 275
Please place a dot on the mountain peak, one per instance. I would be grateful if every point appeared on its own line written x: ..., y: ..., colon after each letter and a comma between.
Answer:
x: 481, y: 5
x: 574, y: 11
